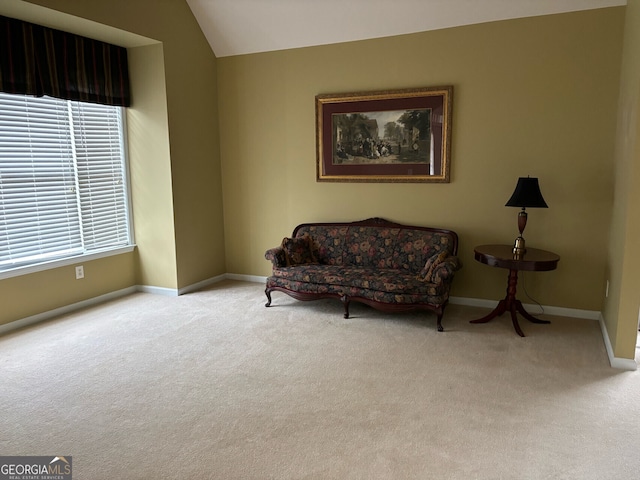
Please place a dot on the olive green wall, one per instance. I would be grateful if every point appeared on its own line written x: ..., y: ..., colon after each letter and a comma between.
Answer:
x: 621, y: 307
x: 174, y: 155
x: 150, y: 168
x: 535, y: 96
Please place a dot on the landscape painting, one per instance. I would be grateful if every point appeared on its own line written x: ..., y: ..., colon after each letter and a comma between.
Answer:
x: 387, y: 136
x: 397, y: 136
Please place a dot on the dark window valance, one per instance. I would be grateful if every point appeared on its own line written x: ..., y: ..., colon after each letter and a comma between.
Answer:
x: 37, y: 60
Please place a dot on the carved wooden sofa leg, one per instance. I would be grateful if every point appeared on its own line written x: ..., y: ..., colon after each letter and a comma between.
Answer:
x: 345, y: 300
x: 267, y: 292
x: 439, y: 313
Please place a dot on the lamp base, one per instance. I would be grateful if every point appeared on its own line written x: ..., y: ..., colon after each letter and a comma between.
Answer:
x: 519, y: 247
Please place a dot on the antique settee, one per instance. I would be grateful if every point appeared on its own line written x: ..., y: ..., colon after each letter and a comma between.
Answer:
x: 388, y: 266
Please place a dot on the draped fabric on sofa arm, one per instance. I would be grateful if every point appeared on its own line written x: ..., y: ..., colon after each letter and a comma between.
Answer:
x: 389, y: 266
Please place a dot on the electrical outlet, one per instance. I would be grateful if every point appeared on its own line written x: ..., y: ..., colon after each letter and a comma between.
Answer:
x: 606, y: 292
x: 79, y: 272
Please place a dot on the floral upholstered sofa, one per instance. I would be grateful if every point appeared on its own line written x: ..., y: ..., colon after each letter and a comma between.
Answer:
x: 389, y: 266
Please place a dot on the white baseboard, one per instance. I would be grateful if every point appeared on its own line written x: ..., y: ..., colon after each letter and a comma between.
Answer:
x: 620, y: 363
x: 167, y: 292
x: 41, y: 317
x: 551, y: 310
x: 175, y: 292
x: 246, y: 278
x: 170, y: 292
x: 202, y: 284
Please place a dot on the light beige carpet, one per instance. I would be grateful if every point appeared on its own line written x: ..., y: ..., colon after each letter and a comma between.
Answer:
x: 214, y: 385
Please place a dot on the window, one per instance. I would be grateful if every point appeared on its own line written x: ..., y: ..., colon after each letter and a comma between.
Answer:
x: 63, y: 182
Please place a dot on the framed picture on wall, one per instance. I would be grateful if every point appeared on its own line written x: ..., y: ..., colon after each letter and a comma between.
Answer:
x: 384, y: 136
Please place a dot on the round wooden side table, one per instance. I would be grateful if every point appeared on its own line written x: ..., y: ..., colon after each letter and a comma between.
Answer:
x: 502, y: 256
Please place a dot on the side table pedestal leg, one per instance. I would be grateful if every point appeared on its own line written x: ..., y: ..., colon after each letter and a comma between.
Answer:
x: 514, y: 318
x: 499, y: 310
x: 527, y: 315
x: 511, y: 304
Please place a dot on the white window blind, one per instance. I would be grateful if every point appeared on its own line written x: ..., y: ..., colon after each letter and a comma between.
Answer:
x: 63, y: 188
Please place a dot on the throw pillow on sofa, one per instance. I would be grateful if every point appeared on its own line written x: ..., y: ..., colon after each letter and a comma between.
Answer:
x: 431, y: 264
x: 298, y: 250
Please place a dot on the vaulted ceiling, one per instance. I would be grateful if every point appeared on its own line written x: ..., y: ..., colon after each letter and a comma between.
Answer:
x: 237, y: 27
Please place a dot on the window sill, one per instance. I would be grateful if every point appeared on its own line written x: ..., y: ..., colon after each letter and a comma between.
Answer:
x: 40, y: 267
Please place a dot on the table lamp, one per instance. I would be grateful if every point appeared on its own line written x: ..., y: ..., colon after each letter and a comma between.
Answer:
x: 526, y: 194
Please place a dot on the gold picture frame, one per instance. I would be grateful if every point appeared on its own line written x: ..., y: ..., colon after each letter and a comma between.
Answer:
x: 385, y: 136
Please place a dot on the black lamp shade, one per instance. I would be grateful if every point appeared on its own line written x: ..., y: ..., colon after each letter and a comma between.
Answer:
x: 527, y: 194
